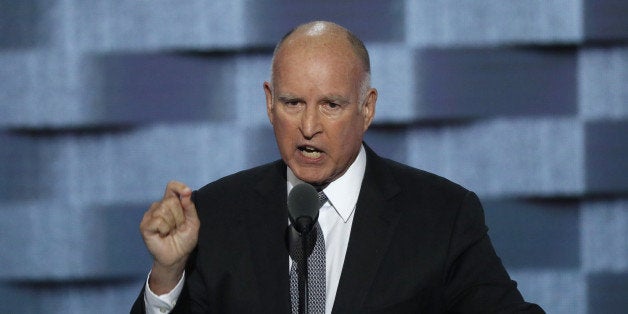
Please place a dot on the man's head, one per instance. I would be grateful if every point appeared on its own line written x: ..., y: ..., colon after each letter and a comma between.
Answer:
x: 319, y: 100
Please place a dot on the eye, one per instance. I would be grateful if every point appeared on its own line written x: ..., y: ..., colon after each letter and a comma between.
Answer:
x: 292, y: 104
x: 331, y: 106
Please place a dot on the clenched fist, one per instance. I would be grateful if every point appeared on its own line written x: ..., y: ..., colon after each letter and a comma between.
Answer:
x: 170, y: 232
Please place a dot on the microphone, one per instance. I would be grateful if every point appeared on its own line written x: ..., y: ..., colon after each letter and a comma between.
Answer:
x: 303, y: 206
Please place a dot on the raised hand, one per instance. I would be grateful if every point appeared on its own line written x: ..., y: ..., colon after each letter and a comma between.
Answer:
x: 170, y: 232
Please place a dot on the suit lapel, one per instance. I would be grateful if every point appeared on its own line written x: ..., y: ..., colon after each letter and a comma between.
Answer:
x: 266, y: 225
x: 371, y: 233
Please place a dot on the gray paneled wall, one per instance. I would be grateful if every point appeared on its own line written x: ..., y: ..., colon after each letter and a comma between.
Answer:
x: 103, y: 102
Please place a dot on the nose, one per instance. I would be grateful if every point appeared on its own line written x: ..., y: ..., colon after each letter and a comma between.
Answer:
x: 310, y: 122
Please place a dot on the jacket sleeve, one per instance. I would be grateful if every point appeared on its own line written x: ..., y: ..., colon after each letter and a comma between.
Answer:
x: 475, y: 279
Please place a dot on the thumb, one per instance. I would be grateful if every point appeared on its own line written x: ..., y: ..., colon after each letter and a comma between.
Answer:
x: 189, y: 209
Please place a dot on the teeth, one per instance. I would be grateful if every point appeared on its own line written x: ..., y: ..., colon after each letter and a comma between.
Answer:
x: 310, y: 152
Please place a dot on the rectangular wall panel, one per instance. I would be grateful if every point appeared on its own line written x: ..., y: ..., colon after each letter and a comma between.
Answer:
x: 606, y: 158
x: 474, y: 83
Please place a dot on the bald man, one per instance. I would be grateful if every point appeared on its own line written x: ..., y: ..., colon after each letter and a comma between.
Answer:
x: 396, y: 239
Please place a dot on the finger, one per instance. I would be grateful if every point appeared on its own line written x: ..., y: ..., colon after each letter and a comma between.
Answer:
x: 164, y: 227
x: 152, y: 224
x: 176, y: 188
x: 148, y: 220
x: 172, y: 211
x: 175, y: 207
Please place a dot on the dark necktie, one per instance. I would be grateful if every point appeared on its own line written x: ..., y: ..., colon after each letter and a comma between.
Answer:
x: 316, y: 271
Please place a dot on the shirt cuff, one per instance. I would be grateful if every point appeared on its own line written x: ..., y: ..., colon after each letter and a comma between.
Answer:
x: 159, y: 304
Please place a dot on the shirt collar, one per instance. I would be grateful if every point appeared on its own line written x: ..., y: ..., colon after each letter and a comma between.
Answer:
x: 343, y: 192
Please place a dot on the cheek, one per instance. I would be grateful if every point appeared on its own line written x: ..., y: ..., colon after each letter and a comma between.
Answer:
x: 355, y: 128
x: 282, y: 119
x: 347, y: 139
x: 284, y: 132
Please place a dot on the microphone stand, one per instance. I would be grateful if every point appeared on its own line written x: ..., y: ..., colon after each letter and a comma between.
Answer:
x: 304, y: 274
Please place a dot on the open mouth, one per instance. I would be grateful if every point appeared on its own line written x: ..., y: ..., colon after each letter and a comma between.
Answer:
x: 310, y: 152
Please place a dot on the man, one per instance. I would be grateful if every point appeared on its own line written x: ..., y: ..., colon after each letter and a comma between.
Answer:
x: 396, y: 239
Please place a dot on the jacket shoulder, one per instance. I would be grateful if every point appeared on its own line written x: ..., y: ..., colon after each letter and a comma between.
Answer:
x: 410, y: 178
x: 245, y: 178
x: 240, y: 183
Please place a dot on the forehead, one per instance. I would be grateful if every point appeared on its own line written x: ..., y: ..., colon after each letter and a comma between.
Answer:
x: 317, y: 58
x: 318, y: 40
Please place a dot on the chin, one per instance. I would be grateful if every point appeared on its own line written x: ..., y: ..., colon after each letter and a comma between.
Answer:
x: 309, y: 177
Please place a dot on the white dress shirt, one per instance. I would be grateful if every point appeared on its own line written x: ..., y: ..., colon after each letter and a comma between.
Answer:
x: 335, y: 219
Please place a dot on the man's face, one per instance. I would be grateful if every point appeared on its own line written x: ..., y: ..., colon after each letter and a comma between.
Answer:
x: 318, y: 111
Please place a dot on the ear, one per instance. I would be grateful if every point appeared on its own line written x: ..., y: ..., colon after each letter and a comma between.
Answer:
x: 368, y: 110
x: 268, y: 91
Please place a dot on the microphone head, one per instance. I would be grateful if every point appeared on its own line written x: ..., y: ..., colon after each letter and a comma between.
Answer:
x: 303, y: 206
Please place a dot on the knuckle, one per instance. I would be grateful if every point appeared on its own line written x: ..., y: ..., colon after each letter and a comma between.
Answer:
x: 171, y: 203
x: 173, y: 184
x: 153, y: 206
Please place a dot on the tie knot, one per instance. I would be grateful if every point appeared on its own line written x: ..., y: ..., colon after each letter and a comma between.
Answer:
x: 322, y: 198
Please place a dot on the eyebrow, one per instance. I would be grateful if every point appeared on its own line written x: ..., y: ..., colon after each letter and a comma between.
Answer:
x: 329, y: 98
x: 336, y: 99
x: 286, y: 98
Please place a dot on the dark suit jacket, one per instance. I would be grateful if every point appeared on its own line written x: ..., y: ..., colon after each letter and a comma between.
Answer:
x: 418, y: 245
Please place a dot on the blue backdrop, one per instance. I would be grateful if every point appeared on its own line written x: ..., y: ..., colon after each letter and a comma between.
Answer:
x: 103, y: 102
